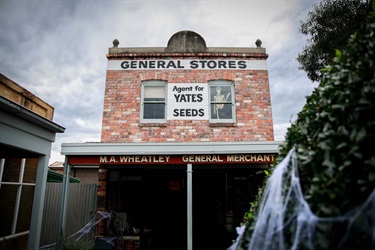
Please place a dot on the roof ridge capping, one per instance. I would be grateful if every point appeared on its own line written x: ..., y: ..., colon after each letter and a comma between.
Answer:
x: 187, y: 41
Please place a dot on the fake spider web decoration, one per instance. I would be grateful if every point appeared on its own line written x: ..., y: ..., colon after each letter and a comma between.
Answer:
x: 100, y: 216
x: 285, y: 220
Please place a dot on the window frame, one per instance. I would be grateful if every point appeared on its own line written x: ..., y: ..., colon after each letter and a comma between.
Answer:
x: 151, y: 83
x: 212, y: 85
x: 19, y: 185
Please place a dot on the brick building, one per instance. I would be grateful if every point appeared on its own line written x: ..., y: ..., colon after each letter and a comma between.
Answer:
x: 187, y: 133
x: 26, y: 135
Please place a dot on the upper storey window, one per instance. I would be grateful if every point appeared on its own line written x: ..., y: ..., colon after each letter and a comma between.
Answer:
x: 214, y: 101
x: 222, y: 108
x: 153, y: 107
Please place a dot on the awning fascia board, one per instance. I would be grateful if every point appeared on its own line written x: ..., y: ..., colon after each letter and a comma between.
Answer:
x: 251, y: 147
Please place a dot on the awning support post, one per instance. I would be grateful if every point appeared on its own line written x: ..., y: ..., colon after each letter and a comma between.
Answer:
x: 189, y: 207
x: 64, y: 204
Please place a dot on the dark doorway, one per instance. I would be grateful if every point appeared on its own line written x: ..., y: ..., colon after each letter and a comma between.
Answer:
x: 221, y: 197
x: 155, y: 203
x: 209, y: 209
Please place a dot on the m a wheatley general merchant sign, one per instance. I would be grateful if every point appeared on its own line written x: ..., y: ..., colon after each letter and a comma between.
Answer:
x: 175, y: 159
x: 187, y: 64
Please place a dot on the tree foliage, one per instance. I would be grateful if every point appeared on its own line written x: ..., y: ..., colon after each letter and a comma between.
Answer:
x: 334, y: 138
x: 329, y: 27
x: 335, y: 132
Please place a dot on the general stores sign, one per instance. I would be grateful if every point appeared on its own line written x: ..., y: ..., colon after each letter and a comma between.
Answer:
x: 187, y: 65
x: 187, y: 101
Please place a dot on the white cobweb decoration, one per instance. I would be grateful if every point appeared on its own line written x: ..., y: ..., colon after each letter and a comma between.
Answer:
x: 284, y: 211
x: 87, y: 229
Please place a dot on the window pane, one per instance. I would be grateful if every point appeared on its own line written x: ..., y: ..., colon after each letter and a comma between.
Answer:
x: 220, y: 94
x: 154, y: 101
x: 154, y: 111
x: 221, y: 98
x: 221, y: 111
x: 30, y: 170
x: 154, y: 92
x: 11, y: 170
x: 24, y: 213
x: 7, y: 204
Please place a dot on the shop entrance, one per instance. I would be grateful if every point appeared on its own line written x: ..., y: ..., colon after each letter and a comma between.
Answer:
x: 155, y: 203
x: 209, y: 210
x: 221, y: 197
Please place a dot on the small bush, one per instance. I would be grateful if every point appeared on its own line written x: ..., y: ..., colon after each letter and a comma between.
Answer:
x: 72, y: 244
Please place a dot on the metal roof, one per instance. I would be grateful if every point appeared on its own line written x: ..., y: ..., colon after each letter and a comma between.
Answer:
x: 169, y: 148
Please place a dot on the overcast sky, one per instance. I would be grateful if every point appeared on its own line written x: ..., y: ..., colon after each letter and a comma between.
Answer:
x: 57, y: 49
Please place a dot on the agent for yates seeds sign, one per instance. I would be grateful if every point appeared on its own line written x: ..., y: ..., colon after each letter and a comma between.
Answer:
x: 187, y: 101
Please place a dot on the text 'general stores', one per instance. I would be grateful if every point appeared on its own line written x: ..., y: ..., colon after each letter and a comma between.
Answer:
x: 179, y: 64
x: 187, y: 64
x: 176, y: 159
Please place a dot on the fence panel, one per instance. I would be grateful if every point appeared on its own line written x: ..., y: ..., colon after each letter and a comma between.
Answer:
x: 81, y: 206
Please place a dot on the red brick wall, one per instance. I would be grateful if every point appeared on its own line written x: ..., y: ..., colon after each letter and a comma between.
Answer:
x: 122, y: 107
x: 100, y: 229
x: 121, y: 117
x: 86, y: 175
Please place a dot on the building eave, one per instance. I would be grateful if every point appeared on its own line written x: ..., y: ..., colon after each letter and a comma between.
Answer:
x: 24, y: 113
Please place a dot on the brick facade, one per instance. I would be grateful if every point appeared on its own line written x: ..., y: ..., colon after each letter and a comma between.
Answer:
x: 86, y: 175
x: 122, y: 101
x: 242, y: 72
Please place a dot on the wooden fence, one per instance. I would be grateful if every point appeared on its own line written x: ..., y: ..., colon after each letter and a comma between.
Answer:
x: 81, y: 208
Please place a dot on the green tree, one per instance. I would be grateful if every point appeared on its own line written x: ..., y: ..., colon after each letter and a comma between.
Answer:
x: 329, y: 27
x: 334, y: 141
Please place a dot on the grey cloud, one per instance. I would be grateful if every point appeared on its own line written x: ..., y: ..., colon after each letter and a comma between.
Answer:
x: 56, y: 49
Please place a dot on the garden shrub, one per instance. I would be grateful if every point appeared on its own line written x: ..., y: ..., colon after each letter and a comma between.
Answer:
x: 334, y: 139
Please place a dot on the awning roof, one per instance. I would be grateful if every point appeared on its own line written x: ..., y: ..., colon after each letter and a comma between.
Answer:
x: 169, y: 148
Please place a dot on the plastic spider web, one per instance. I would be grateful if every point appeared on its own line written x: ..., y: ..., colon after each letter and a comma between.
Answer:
x: 284, y: 211
x: 97, y: 218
